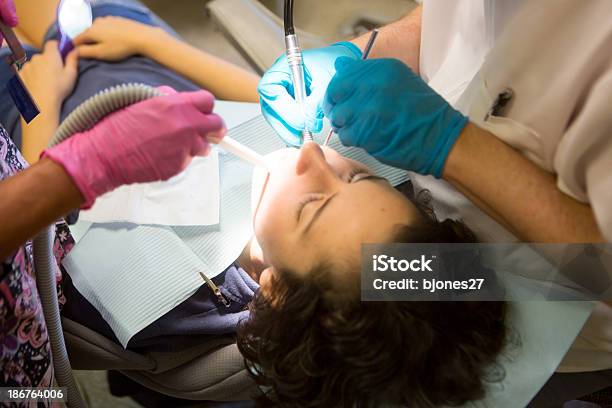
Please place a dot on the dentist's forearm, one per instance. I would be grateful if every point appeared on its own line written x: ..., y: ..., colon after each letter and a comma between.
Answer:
x: 400, y: 40
x: 225, y: 80
x: 33, y: 199
x: 508, y: 186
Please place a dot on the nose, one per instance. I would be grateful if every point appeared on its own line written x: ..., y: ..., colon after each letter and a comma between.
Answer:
x: 312, y: 160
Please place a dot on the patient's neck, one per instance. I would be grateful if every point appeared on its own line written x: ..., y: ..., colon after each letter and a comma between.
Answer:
x: 251, y: 259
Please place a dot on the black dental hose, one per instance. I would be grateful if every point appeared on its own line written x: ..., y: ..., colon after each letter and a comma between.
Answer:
x: 289, y: 29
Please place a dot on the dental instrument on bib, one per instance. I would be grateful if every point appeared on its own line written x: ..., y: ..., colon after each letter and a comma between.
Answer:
x: 296, y: 63
x: 366, y: 52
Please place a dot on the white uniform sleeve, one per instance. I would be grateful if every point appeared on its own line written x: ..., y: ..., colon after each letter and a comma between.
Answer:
x: 583, y: 160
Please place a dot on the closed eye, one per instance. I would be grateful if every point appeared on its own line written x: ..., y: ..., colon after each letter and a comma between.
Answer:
x: 309, y: 198
x: 355, y: 174
x: 360, y: 176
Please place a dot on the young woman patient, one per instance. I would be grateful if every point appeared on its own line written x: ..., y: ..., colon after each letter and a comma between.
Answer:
x: 294, y: 298
x: 309, y: 338
x: 306, y: 335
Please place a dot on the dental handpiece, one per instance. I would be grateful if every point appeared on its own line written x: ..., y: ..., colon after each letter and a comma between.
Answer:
x: 232, y: 146
x: 364, y: 56
x: 296, y: 66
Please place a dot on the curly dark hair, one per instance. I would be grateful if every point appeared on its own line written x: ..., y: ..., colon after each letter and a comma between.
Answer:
x: 318, y: 345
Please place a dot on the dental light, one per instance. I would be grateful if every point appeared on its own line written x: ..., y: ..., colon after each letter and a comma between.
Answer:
x: 73, y: 17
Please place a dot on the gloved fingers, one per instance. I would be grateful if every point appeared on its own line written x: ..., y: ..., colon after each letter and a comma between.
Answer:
x: 347, y: 136
x: 341, y: 115
x: 329, y: 104
x: 315, y: 125
x: 8, y: 13
x: 314, y: 111
x: 200, y: 147
x: 166, y: 90
x: 284, y: 108
x: 208, y: 124
x: 181, y: 163
x: 307, y: 79
x: 340, y: 88
x: 217, y: 136
x: 345, y: 64
x: 204, y: 101
x: 275, y: 83
x: 291, y: 136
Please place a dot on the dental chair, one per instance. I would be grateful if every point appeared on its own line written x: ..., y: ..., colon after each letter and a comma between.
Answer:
x: 211, y: 371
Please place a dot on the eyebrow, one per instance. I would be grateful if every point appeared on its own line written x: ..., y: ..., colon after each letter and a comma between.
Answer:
x: 319, y: 211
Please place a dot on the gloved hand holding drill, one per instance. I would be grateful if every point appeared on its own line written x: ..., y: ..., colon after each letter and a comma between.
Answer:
x: 379, y: 105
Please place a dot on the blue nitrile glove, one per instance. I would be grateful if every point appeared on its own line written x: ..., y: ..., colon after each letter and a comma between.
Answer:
x: 276, y: 91
x: 381, y: 106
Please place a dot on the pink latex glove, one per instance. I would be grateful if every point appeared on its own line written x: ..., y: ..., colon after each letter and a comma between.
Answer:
x: 8, y: 15
x: 148, y: 141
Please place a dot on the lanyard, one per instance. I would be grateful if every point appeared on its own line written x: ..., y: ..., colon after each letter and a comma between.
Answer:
x: 19, y: 93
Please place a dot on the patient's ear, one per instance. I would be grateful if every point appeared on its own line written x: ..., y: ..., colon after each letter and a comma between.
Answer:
x: 268, y: 281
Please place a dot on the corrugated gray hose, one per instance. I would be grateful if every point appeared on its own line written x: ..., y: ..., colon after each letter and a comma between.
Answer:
x: 82, y: 118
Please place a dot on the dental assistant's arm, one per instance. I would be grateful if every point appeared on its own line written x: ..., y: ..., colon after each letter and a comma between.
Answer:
x: 400, y: 40
x: 134, y: 145
x: 32, y: 199
x: 524, y: 196
x: 116, y: 38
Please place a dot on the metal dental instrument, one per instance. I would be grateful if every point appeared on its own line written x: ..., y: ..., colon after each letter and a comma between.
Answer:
x: 232, y: 146
x: 366, y: 52
x: 296, y: 63
x: 21, y: 97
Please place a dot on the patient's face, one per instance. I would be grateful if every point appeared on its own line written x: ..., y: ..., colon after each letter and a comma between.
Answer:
x: 320, y: 206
